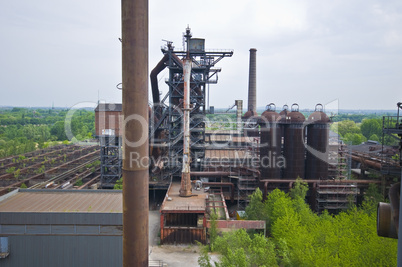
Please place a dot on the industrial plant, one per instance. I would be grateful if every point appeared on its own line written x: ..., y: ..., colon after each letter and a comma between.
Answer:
x: 202, y: 164
x: 201, y: 160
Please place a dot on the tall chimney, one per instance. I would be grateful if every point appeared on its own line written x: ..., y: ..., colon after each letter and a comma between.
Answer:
x: 136, y: 144
x: 252, y: 90
x: 185, y: 188
x: 239, y: 113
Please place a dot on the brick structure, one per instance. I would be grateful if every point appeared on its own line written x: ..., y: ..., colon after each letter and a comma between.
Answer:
x: 108, y: 116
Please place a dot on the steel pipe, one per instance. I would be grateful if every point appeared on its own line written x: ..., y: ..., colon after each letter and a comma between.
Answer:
x: 135, y: 139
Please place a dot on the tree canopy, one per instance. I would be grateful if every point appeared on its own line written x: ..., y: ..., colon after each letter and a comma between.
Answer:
x: 23, y: 130
x: 299, y: 237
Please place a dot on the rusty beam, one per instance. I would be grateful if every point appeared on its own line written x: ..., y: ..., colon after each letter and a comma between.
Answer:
x: 371, y: 163
x: 265, y: 183
x: 212, y: 174
x: 90, y: 182
x: 323, y: 181
x: 135, y: 140
x: 218, y: 184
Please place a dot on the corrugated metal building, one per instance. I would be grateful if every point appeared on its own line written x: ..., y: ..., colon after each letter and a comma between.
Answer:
x: 61, y: 228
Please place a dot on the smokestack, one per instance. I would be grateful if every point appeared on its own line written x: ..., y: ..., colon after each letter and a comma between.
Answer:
x: 239, y: 113
x: 136, y: 145
x: 185, y: 189
x: 252, y: 81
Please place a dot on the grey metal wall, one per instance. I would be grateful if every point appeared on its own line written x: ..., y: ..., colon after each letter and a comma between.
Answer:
x: 37, y: 250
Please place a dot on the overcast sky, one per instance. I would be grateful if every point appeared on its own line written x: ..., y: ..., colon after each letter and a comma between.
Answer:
x: 308, y: 52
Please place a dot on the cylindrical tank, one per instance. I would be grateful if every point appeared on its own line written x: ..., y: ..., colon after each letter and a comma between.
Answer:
x: 294, y: 150
x: 282, y: 119
x: 284, y: 111
x: 270, y: 148
x: 317, y: 144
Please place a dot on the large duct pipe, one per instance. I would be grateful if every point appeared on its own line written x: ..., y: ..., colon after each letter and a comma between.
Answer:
x: 252, y: 82
x: 154, y: 80
x: 154, y: 75
x: 135, y: 112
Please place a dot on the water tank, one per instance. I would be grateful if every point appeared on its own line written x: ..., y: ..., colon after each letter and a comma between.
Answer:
x: 294, y: 150
x: 317, y: 144
x: 270, y: 143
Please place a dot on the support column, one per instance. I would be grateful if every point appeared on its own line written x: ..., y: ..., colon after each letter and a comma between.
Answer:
x: 135, y: 139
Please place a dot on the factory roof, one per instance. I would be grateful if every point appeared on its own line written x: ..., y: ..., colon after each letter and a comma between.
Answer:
x: 109, y: 107
x: 173, y: 203
x: 88, y: 201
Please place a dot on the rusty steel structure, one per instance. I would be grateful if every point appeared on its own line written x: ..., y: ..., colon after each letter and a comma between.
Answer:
x: 294, y: 150
x: 135, y: 139
x: 252, y: 82
x: 166, y: 131
x: 271, y: 142
x: 317, y: 144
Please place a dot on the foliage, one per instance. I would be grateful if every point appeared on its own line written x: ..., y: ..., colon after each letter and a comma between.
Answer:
x: 299, y: 190
x: 371, y: 127
x: 23, y: 130
x: 10, y: 170
x: 371, y: 198
x: 240, y: 249
x: 255, y: 211
x: 79, y: 183
x: 355, y: 133
x: 119, y: 184
x: 17, y: 173
x: 213, y: 232
x: 204, y: 260
x: 23, y: 186
x: 299, y: 237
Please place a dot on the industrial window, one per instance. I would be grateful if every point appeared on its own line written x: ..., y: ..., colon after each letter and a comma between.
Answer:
x: 4, y: 247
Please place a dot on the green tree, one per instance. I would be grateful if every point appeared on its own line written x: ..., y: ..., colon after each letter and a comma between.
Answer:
x: 354, y: 138
x: 346, y: 126
x: 213, y: 229
x: 374, y: 137
x: 371, y: 198
x: 255, y: 209
x: 371, y: 127
x: 58, y: 131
